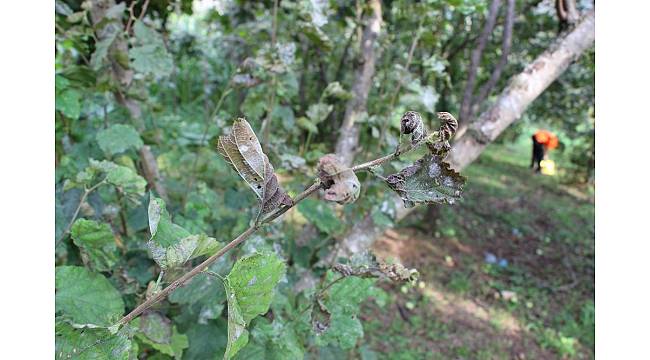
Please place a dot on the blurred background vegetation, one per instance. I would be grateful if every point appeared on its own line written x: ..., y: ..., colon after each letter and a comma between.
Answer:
x: 148, y: 86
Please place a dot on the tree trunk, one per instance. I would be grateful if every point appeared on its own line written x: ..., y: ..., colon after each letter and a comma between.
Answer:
x: 349, y: 132
x: 514, y: 99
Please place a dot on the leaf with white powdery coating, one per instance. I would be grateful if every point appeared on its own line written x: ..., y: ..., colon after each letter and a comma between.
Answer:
x: 87, y: 298
x: 158, y: 332
x: 90, y: 344
x: 119, y: 138
x: 170, y: 244
x: 249, y: 290
x: 97, y: 243
x: 429, y: 180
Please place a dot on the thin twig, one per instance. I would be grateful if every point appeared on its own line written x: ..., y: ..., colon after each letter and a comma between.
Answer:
x: 315, y: 186
x: 76, y: 212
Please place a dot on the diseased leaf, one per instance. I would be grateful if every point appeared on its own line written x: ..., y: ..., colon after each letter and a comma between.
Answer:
x: 174, y: 344
x: 97, y: 243
x: 243, y: 152
x: 119, y: 138
x: 341, y: 303
x: 237, y: 333
x: 87, y: 298
x: 163, y: 231
x: 90, y: 344
x: 411, y: 123
x: 150, y: 55
x: 275, y: 340
x: 249, y: 290
x: 429, y: 180
x: 394, y: 272
x: 156, y: 327
x: 171, y: 245
x: 340, y: 182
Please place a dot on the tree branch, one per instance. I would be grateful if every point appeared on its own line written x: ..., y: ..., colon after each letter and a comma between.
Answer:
x: 315, y: 186
x: 503, y: 60
x: 465, y: 106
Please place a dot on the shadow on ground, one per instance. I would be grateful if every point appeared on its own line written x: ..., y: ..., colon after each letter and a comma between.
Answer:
x: 508, y: 273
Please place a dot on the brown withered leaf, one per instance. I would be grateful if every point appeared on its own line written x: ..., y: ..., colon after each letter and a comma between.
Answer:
x: 411, y: 123
x: 340, y: 182
x: 429, y: 180
x: 243, y: 152
x: 394, y: 272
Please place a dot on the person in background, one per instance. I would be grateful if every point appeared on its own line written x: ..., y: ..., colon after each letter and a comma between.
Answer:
x: 543, y: 141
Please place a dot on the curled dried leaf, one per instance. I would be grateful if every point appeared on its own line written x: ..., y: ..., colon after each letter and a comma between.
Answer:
x: 340, y: 182
x: 243, y: 152
x: 321, y: 317
x: 394, y: 272
x: 448, y: 125
x: 427, y: 181
x: 411, y: 123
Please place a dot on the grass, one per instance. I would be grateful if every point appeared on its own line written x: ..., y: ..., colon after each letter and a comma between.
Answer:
x: 538, y: 305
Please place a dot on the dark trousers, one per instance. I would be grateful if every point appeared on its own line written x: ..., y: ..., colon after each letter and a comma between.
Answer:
x: 538, y: 155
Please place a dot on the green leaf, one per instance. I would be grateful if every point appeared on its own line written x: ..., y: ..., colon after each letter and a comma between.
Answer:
x: 172, y: 245
x: 305, y: 124
x: 68, y: 102
x: 275, y: 340
x: 321, y: 215
x: 237, y: 333
x: 429, y: 180
x: 101, y: 50
x: 249, y: 290
x: 175, y: 343
x: 87, y: 298
x: 319, y: 112
x: 119, y: 138
x: 150, y: 56
x: 206, y: 341
x: 163, y: 231
x: 97, y: 243
x: 342, y: 300
x: 205, y: 294
x: 126, y: 179
x: 90, y: 344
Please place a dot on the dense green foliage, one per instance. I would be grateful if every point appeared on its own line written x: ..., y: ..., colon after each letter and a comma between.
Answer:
x: 167, y: 79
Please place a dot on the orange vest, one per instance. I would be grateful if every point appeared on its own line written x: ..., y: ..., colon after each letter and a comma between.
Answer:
x: 546, y: 138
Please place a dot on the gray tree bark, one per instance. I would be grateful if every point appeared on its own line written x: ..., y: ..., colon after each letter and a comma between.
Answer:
x: 348, y: 140
x: 513, y: 101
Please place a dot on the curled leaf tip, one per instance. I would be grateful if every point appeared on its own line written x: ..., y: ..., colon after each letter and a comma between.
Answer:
x: 411, y: 123
x: 448, y: 125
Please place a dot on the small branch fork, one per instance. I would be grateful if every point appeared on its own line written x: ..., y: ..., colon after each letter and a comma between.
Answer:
x: 314, y: 187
